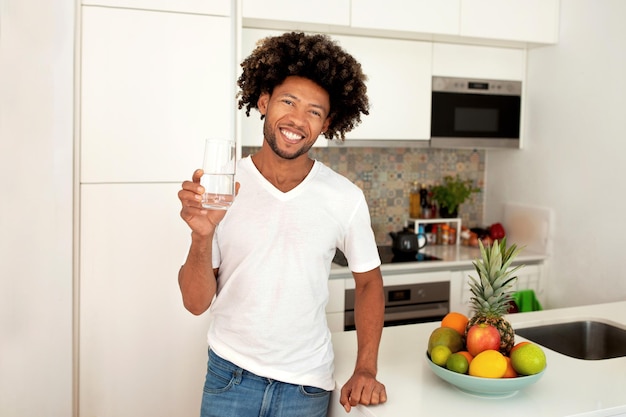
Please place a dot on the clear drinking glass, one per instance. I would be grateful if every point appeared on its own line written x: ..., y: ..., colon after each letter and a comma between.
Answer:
x: 219, y: 174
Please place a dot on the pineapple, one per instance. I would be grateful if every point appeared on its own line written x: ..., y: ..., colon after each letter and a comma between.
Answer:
x: 490, y: 291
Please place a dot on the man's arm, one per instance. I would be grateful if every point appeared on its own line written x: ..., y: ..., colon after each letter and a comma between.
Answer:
x: 196, y: 278
x: 369, y: 307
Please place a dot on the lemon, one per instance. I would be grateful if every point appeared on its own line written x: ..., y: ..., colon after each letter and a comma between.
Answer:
x: 440, y: 354
x: 488, y: 364
x: 447, y: 337
x: 528, y: 359
x: 457, y: 362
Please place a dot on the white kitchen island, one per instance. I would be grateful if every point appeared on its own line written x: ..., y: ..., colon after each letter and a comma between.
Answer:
x: 569, y: 387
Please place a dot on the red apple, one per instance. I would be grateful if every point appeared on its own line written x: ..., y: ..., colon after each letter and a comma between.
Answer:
x: 482, y: 337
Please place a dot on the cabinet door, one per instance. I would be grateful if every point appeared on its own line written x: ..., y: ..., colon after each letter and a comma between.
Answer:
x: 398, y: 86
x: 425, y: 16
x: 535, y: 21
x: 450, y: 60
x: 252, y: 126
x: 214, y: 7
x: 141, y: 353
x: 529, y: 277
x: 154, y: 85
x: 329, y: 12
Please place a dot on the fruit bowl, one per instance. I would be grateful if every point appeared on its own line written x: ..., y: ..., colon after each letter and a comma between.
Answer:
x: 484, y: 387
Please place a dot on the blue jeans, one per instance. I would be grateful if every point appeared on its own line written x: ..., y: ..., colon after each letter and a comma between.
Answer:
x: 231, y: 391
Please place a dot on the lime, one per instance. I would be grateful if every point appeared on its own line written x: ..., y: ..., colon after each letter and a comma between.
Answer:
x: 447, y: 337
x: 488, y: 364
x: 528, y: 359
x: 457, y: 362
x: 440, y: 354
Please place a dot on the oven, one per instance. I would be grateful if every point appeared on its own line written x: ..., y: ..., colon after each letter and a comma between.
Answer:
x: 406, y: 301
x: 475, y: 113
x: 407, y: 304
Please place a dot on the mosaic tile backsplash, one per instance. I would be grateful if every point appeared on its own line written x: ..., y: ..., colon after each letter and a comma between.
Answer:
x: 386, y: 176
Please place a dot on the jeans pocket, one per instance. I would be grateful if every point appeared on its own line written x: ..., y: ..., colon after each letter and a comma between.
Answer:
x: 310, y: 391
x: 220, y: 377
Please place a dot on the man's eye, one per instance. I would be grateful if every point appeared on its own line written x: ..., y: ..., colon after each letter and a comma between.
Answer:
x: 288, y: 102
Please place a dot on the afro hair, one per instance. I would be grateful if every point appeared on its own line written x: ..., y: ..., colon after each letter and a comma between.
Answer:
x: 317, y: 58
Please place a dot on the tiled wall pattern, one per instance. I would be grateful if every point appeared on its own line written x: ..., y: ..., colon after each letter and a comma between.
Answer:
x: 386, y: 176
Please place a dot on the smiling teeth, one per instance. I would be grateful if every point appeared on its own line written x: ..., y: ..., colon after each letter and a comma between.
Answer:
x: 291, y: 135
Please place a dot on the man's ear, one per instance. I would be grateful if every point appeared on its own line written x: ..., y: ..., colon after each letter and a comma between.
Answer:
x: 326, y: 124
x: 262, y: 102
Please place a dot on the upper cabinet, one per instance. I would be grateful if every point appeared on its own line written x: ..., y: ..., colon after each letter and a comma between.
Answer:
x: 517, y: 23
x: 213, y: 7
x: 154, y: 85
x: 472, y: 61
x: 425, y: 16
x: 398, y: 87
x: 325, y: 12
x: 533, y: 21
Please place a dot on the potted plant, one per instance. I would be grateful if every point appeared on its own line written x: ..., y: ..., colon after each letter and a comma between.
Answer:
x: 452, y: 193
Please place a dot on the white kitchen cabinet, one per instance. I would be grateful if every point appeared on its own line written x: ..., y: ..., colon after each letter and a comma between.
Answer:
x: 252, y: 126
x: 335, y: 309
x: 532, y: 21
x: 398, y: 87
x: 529, y: 277
x: 141, y: 353
x: 485, y: 62
x: 328, y: 12
x: 214, y: 7
x: 154, y: 85
x: 424, y: 16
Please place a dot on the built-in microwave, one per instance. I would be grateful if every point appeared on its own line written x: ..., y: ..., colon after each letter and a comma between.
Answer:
x: 475, y: 113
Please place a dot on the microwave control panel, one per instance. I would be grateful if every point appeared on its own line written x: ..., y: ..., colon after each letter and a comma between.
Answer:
x: 477, y: 86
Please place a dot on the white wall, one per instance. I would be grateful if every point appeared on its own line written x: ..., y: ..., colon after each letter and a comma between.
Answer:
x: 36, y: 71
x: 574, y: 159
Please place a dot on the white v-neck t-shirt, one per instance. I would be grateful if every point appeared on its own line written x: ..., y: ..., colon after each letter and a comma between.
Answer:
x: 274, y: 252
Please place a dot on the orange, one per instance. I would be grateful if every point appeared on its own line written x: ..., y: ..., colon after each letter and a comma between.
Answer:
x: 456, y: 321
x: 467, y: 355
x: 510, y: 371
x: 488, y: 364
x: 517, y: 346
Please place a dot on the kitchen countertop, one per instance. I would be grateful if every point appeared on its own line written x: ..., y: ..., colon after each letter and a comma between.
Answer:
x: 569, y: 387
x: 453, y: 257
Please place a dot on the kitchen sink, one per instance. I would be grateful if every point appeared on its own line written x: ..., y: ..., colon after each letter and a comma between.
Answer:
x: 585, y: 339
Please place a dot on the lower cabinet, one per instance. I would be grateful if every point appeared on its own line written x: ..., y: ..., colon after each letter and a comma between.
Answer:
x: 529, y: 277
x: 141, y: 353
x: 335, y: 309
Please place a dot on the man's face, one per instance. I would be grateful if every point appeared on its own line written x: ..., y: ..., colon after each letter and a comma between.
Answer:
x: 295, y: 115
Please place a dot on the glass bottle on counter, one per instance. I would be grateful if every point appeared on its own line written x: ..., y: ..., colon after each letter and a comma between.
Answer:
x: 445, y: 234
x: 414, y: 201
x: 439, y: 234
x: 424, y: 206
x: 452, y: 236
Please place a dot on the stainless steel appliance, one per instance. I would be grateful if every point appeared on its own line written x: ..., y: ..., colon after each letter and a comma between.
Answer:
x: 475, y: 113
x: 407, y: 304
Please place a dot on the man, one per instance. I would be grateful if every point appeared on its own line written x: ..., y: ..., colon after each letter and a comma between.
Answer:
x: 261, y: 267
